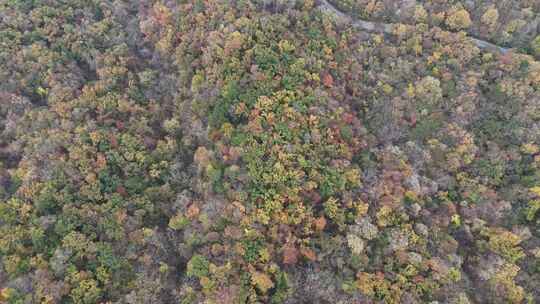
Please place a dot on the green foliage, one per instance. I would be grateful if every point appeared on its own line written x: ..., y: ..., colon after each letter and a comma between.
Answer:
x: 252, y: 249
x: 532, y: 210
x: 282, y: 289
x: 535, y: 46
x: 86, y: 292
x: 178, y: 222
x: 506, y: 244
x: 426, y: 128
x: 198, y: 266
x: 11, y: 296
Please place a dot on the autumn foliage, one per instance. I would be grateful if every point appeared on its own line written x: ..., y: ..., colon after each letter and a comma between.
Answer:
x: 268, y: 152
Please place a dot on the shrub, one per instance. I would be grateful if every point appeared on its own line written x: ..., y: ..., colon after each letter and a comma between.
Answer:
x: 178, y: 222
x: 535, y: 46
x: 86, y: 292
x: 198, y: 266
x: 429, y: 90
x: 490, y: 17
x: 458, y: 19
x: 506, y: 244
x: 262, y: 281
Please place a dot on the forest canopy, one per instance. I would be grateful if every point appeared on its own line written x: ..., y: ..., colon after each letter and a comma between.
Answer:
x: 269, y: 151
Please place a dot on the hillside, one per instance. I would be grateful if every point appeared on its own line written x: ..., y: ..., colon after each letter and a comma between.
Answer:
x: 269, y: 151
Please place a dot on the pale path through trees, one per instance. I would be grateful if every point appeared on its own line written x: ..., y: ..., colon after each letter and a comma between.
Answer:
x: 386, y: 28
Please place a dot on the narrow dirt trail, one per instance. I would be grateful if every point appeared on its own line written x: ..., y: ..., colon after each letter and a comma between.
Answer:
x: 379, y: 27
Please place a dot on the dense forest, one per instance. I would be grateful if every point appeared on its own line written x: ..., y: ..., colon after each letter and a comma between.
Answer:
x: 270, y: 151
